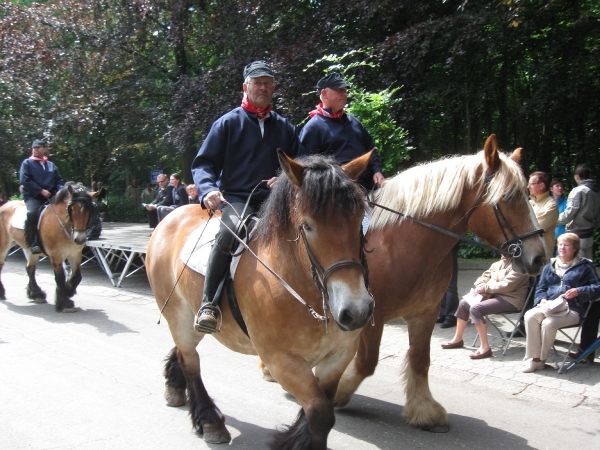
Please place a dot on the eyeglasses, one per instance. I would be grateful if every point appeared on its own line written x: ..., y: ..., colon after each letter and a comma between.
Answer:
x: 531, y: 184
x: 162, y: 181
x: 265, y: 84
x: 564, y: 244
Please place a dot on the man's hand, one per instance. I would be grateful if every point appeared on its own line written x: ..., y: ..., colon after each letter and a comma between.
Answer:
x: 213, y: 200
x: 150, y: 207
x: 379, y: 179
x: 271, y: 182
x: 571, y: 293
x: 46, y: 193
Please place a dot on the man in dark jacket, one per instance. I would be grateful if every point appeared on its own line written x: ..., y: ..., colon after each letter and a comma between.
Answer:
x: 334, y: 132
x: 239, y: 153
x: 41, y: 180
x: 162, y: 199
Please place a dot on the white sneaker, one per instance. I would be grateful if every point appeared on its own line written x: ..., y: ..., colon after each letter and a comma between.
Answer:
x: 532, y: 366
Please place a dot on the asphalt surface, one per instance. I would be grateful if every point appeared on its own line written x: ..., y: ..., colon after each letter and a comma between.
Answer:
x: 93, y: 380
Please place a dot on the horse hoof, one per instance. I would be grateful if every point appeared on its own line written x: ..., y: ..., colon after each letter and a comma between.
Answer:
x: 175, y: 397
x: 268, y: 377
x: 436, y: 428
x: 39, y: 300
x: 216, y: 433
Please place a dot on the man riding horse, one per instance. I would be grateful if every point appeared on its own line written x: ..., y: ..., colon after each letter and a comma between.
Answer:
x: 41, y: 181
x: 239, y: 152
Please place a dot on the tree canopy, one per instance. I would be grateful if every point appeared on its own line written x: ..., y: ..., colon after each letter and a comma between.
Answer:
x: 121, y: 87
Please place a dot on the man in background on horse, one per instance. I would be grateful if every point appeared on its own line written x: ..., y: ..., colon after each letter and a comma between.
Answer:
x: 238, y: 154
x: 334, y: 132
x: 41, y: 180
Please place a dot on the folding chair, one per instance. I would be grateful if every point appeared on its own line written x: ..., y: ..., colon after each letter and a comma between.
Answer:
x: 506, y: 315
x: 586, y: 352
x: 573, y: 339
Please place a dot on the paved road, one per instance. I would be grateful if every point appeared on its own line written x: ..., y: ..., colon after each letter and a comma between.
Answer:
x: 93, y: 380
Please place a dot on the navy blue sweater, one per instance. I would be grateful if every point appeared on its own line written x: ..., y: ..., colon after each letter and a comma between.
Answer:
x: 582, y: 275
x: 235, y: 157
x: 35, y: 176
x: 344, y: 139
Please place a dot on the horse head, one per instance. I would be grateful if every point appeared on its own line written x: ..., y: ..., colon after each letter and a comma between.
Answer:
x: 326, y: 210
x: 505, y: 217
x: 81, y: 210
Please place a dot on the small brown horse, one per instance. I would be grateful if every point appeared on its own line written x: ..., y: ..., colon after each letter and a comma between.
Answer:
x: 62, y: 235
x: 410, y: 265
x: 312, y: 218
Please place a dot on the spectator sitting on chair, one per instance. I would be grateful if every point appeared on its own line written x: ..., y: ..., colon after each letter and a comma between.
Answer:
x: 162, y: 199
x: 192, y: 194
x: 178, y: 197
x: 572, y: 277
x: 503, y: 290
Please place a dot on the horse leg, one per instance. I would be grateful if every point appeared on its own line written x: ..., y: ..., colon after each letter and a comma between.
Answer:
x: 2, y: 291
x: 362, y: 366
x: 421, y: 410
x: 74, y: 280
x: 207, y: 419
x: 62, y: 303
x: 175, y: 385
x: 315, y: 420
x: 34, y: 292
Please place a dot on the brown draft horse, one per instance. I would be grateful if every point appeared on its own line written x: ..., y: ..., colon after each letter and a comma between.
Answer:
x: 314, y: 208
x: 410, y: 265
x: 62, y: 234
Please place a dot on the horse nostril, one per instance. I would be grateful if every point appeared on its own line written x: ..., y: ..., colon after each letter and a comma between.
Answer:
x: 346, y: 318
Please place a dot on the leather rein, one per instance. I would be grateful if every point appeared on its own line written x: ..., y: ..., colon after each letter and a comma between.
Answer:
x: 511, y: 247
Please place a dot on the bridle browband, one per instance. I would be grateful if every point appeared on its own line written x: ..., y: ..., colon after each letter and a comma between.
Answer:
x: 511, y: 247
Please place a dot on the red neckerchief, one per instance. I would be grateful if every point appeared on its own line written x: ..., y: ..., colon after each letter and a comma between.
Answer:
x: 323, y: 112
x: 260, y: 112
x: 43, y: 159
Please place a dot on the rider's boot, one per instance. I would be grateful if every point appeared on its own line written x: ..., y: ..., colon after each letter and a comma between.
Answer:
x: 208, y: 315
x: 31, y: 234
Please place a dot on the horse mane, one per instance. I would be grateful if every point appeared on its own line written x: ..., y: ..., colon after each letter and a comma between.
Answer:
x: 326, y: 191
x: 438, y: 186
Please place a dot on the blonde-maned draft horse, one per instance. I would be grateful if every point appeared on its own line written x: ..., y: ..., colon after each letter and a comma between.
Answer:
x: 410, y: 264
x: 311, y: 218
x: 62, y: 230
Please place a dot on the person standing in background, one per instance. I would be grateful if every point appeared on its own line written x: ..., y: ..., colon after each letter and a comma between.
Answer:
x: 582, y: 215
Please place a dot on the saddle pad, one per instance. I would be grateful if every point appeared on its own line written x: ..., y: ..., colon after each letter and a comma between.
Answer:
x: 198, y: 244
x: 20, y: 215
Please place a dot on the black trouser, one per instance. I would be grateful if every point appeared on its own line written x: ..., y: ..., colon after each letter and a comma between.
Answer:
x: 450, y: 299
x: 220, y: 255
x: 589, y: 330
x: 33, y: 208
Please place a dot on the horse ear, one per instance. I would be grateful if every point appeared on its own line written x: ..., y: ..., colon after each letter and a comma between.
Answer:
x: 516, y: 155
x: 492, y: 158
x: 291, y: 168
x: 358, y: 165
x: 70, y: 189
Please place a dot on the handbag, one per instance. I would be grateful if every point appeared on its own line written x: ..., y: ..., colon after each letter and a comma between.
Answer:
x: 557, y: 307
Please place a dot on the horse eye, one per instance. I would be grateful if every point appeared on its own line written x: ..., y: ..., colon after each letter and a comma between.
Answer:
x: 306, y: 226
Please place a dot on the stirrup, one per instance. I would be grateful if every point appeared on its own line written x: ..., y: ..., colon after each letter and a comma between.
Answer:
x: 208, y: 330
x: 36, y: 250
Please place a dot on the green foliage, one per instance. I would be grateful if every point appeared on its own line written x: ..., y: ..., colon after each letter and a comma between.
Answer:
x: 121, y: 209
x: 373, y: 109
x: 469, y: 251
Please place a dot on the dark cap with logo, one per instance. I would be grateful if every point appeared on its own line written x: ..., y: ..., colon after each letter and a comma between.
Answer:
x: 332, y: 81
x: 258, y: 69
x: 38, y: 143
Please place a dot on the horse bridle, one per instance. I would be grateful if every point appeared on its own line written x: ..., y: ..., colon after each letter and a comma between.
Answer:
x: 69, y: 210
x: 321, y: 275
x: 511, y: 247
